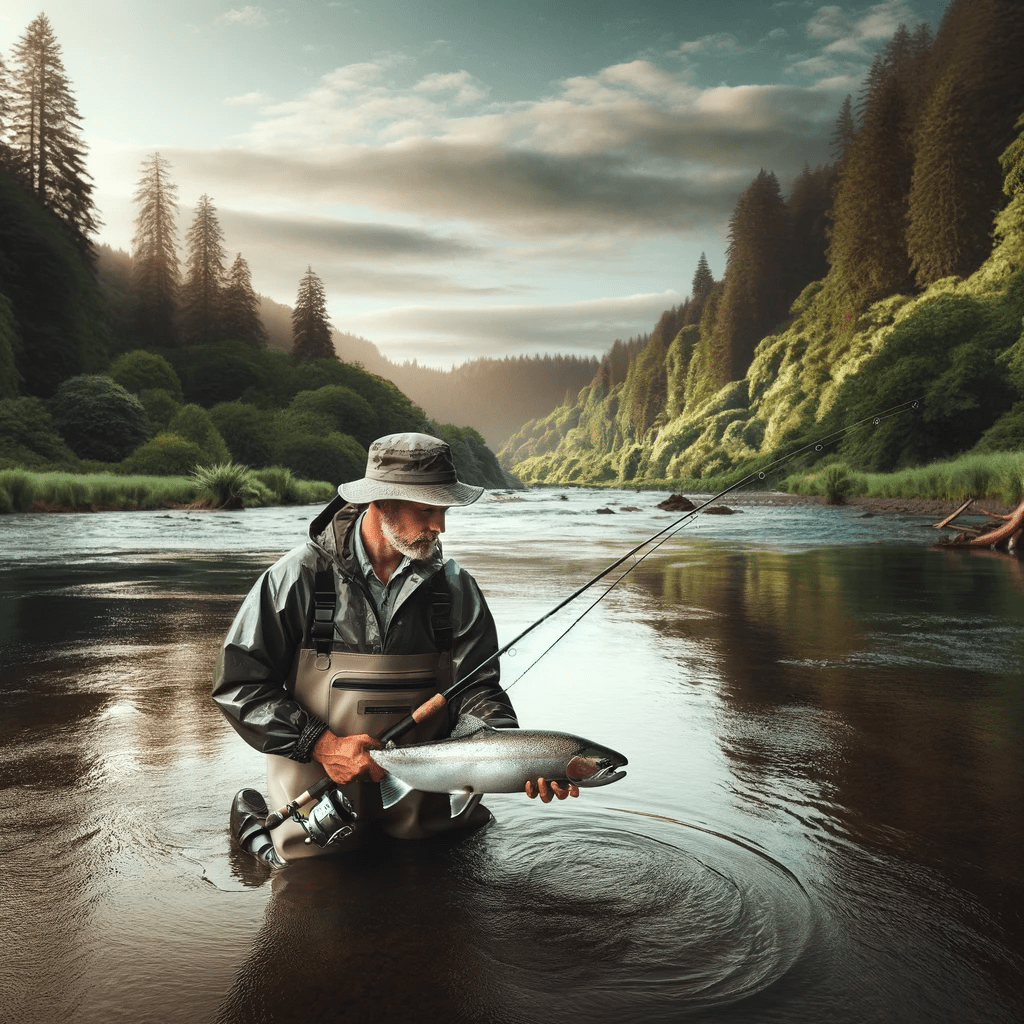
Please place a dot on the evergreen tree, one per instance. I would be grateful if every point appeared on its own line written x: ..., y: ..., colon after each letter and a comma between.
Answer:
x: 241, y: 307
x: 5, y: 86
x: 966, y: 123
x: 868, y: 248
x: 700, y: 289
x: 844, y: 132
x: 204, y: 275
x: 157, y: 269
x: 758, y: 278
x: 311, y: 333
x: 47, y: 151
x: 810, y: 200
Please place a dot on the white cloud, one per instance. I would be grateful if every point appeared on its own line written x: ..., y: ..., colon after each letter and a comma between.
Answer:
x: 720, y: 42
x: 466, y: 88
x: 248, y: 99
x: 249, y: 15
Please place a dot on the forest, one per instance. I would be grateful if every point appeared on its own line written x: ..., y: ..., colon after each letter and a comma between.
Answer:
x: 893, y: 274
x: 150, y: 364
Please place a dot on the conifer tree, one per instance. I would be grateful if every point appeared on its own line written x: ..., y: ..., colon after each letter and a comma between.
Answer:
x: 810, y: 200
x: 700, y: 289
x: 844, y: 132
x: 48, y: 153
x: 966, y: 123
x: 5, y: 103
x: 156, y: 266
x: 758, y: 283
x: 311, y: 332
x: 240, y: 312
x: 204, y: 275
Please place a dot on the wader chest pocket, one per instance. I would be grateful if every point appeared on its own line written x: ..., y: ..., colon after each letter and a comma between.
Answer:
x: 369, y: 707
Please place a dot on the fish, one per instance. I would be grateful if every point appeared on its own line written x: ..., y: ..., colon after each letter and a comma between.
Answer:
x: 479, y: 758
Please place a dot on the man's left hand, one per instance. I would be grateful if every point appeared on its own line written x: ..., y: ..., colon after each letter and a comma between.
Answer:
x: 546, y: 790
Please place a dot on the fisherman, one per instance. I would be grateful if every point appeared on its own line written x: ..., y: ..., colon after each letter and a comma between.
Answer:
x: 348, y: 633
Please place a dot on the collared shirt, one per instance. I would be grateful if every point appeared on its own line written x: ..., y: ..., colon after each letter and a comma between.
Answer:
x: 384, y: 594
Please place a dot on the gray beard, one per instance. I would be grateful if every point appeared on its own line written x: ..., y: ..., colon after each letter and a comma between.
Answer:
x: 417, y: 550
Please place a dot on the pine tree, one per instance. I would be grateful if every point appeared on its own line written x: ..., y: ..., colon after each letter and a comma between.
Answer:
x: 810, y: 200
x: 700, y: 289
x: 47, y: 151
x: 5, y: 104
x: 758, y: 278
x: 844, y: 132
x: 204, y: 275
x: 157, y: 269
x: 311, y: 332
x: 967, y: 122
x: 868, y: 248
x: 240, y: 312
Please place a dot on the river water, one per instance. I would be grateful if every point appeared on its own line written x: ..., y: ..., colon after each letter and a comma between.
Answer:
x: 822, y: 818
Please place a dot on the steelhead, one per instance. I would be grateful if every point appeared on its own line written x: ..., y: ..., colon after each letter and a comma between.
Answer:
x: 478, y: 758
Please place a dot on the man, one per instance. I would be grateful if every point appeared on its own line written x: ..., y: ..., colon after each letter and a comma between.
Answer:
x: 348, y: 633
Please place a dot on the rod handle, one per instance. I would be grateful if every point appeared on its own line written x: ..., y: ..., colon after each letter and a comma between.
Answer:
x: 423, y: 712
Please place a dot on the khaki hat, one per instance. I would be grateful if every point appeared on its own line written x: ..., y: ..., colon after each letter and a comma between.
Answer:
x: 410, y: 467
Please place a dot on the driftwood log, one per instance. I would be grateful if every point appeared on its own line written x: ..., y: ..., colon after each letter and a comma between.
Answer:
x: 1005, y: 532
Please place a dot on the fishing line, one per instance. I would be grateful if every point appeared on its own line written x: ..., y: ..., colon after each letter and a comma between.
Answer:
x: 673, y: 528
x: 435, y: 703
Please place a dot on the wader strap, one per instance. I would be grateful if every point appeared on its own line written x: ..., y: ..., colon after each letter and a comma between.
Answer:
x: 441, y: 624
x: 325, y: 600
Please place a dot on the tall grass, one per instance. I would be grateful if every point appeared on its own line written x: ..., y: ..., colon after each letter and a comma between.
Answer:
x: 996, y: 476
x: 20, y: 488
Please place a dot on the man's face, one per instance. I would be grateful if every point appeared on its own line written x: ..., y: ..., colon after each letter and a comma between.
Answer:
x: 411, y: 527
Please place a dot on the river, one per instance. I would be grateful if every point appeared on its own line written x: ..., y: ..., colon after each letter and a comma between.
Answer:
x: 822, y: 818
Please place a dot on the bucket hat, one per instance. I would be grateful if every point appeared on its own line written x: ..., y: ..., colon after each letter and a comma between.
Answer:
x: 410, y: 467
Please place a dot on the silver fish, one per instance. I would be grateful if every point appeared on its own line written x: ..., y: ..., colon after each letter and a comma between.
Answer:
x: 478, y: 758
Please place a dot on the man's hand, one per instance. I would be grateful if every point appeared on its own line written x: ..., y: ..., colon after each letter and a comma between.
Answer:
x: 345, y: 758
x: 546, y: 790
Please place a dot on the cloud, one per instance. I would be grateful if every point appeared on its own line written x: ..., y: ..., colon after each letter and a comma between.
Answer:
x: 858, y: 36
x: 437, y: 335
x: 720, y: 42
x: 248, y: 99
x: 466, y: 88
x: 249, y: 15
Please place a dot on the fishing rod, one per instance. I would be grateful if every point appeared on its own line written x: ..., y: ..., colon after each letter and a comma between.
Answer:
x: 440, y: 700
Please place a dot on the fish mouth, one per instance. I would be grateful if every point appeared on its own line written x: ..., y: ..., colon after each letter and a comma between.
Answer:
x: 604, y: 771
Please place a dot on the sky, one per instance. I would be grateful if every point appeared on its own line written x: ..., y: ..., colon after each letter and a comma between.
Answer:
x: 467, y: 177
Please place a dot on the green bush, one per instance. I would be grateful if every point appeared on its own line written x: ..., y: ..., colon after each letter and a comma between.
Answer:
x: 281, y: 483
x: 837, y: 483
x: 164, y: 455
x: 333, y: 456
x: 196, y: 425
x: 222, y: 484
x: 28, y: 434
x: 346, y: 411
x: 97, y: 418
x: 161, y: 407
x: 140, y: 371
x: 247, y: 431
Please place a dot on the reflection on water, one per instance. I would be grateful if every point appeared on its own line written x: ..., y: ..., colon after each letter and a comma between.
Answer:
x: 822, y: 819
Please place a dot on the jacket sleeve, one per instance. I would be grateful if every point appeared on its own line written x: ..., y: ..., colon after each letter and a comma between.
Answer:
x: 474, y: 642
x: 256, y: 658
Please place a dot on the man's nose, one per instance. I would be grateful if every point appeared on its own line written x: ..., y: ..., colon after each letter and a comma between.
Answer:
x: 436, y: 521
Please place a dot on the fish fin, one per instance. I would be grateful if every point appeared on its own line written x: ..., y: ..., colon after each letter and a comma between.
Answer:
x: 392, y: 790
x: 461, y: 800
x: 467, y: 725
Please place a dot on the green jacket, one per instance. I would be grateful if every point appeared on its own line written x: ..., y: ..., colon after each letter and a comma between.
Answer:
x: 251, y: 677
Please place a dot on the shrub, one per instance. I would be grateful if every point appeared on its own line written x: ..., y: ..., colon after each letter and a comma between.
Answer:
x: 164, y: 455
x: 223, y: 484
x: 331, y: 456
x: 161, y: 407
x: 28, y: 434
x: 281, y: 483
x: 140, y: 371
x: 195, y: 424
x: 97, y: 418
x: 347, y: 412
x: 837, y: 484
x: 247, y: 431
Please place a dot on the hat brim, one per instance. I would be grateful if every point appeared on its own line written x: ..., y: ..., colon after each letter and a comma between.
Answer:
x: 362, y: 492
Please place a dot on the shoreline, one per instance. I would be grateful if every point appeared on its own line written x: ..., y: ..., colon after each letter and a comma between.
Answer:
x: 937, y: 507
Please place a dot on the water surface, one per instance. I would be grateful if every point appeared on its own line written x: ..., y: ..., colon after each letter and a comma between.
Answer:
x: 821, y: 820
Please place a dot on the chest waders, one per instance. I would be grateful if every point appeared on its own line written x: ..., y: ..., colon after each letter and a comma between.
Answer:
x: 367, y: 693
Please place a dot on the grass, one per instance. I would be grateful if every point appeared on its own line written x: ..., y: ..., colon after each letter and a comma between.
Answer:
x: 992, y: 475
x: 20, y: 488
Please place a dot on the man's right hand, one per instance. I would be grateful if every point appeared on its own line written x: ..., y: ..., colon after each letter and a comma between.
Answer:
x: 345, y: 758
